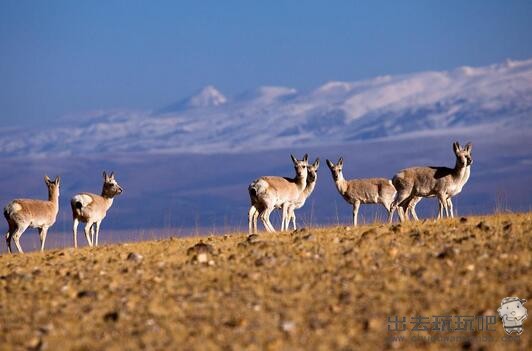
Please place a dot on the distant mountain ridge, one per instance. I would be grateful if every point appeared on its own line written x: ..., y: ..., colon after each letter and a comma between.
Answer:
x: 495, y: 96
x: 209, y: 96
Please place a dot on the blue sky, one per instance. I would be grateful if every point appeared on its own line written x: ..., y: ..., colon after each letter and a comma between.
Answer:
x: 66, y: 57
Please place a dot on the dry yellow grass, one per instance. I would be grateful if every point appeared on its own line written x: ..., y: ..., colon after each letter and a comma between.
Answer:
x: 320, y: 288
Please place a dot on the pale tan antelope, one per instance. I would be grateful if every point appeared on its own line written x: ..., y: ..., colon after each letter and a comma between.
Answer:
x: 91, y: 209
x: 410, y: 208
x: 441, y: 182
x: 23, y: 213
x: 312, y: 178
x: 270, y: 192
x: 363, y: 191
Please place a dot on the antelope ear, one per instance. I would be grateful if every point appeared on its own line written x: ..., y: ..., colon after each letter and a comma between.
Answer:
x: 57, y: 180
x: 329, y: 164
x: 305, y: 158
x: 104, y: 175
x: 112, y: 175
x: 456, y: 147
x: 316, y: 163
x: 47, y: 179
x: 340, y: 161
x: 294, y: 160
x: 469, y: 146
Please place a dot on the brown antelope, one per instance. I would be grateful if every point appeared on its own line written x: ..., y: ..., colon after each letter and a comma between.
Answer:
x: 410, y: 208
x: 270, y: 192
x: 441, y: 182
x: 23, y: 213
x: 312, y: 178
x: 91, y: 209
x: 363, y: 191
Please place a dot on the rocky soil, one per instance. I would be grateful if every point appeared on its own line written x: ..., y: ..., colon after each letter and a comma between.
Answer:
x: 314, y: 289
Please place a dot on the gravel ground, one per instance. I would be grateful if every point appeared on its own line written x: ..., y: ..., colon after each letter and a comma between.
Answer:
x: 313, y: 289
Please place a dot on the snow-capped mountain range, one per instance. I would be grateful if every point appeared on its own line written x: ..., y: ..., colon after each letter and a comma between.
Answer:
x: 496, y: 96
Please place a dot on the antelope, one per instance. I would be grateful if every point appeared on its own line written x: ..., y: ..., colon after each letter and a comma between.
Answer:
x: 363, y: 191
x: 443, y: 182
x: 91, y: 209
x: 411, y: 206
x: 270, y: 192
x: 23, y: 213
x: 312, y: 178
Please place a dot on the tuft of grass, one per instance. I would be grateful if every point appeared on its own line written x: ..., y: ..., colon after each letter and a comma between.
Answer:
x: 317, y: 288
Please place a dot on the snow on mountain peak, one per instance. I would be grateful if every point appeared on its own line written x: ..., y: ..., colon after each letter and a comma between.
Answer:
x: 334, y: 87
x: 207, y: 97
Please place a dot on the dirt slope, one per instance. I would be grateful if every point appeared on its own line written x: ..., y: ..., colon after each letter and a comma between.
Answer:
x: 321, y: 288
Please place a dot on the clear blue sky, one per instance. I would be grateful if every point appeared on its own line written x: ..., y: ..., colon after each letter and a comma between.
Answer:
x: 66, y: 57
